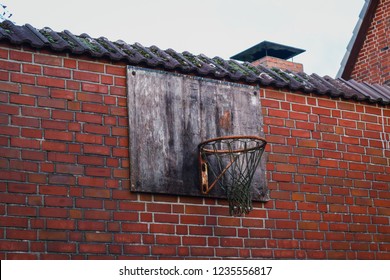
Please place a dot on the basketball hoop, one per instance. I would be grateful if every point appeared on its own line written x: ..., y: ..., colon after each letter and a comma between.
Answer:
x: 232, y: 161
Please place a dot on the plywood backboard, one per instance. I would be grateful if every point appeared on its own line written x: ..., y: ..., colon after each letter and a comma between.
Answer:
x: 170, y: 114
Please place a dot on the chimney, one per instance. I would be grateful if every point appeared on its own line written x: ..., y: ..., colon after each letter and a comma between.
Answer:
x: 271, y: 55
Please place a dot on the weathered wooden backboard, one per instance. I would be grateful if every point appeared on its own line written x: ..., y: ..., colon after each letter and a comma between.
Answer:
x: 170, y: 114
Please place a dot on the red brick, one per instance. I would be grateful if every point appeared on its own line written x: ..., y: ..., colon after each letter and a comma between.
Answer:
x: 89, y: 225
x: 135, y: 227
x: 116, y: 70
x: 58, y: 201
x: 61, y: 157
x: 280, y: 131
x: 162, y: 228
x: 121, y: 91
x: 13, y: 222
x: 115, y: 111
x: 89, y: 203
x: 86, y: 76
x: 168, y: 240
x: 301, y: 108
x: 4, y: 52
x: 282, y: 177
x: 166, y: 218
x: 74, y: 106
x: 54, y: 190
x: 13, y: 246
x: 119, y: 131
x: 98, y: 171
x: 62, y: 94
x: 51, y: 103
x: 25, y: 143
x: 90, y: 160
x: 32, y: 69
x: 12, y: 131
x: 120, y: 152
x: 22, y: 256
x: 49, y: 60
x: 60, y: 224
x: 98, y: 237
x: 22, y: 121
x: 202, y: 251
x: 35, y: 112
x: 57, y: 72
x: 121, y: 173
x: 90, y: 118
x: 90, y: 66
x: 54, y: 146
x: 225, y: 231
x: 35, y: 90
x: 95, y: 108
x: 126, y: 216
x: 9, y: 65
x: 108, y: 80
x: 91, y: 181
x: 58, y: 135
x: 164, y: 250
x: 226, y: 252
x: 53, y: 212
x: 96, y: 129
x: 89, y: 97
x: 37, y: 178
x: 136, y: 250
x: 97, y: 193
x: 92, y: 248
x: 62, y: 179
x: 61, y: 247
x: 22, y: 188
x: 119, y: 81
x: 200, y: 230
x: 97, y: 88
x: 285, y: 205
x: 23, y: 78
x: 307, y: 143
x: 110, y: 100
x: 69, y: 168
x: 58, y: 125
x: 50, y: 82
x: 194, y: 241
x: 301, y: 133
x: 31, y: 133
x: 22, y: 99
x: 21, y: 211
x: 9, y: 109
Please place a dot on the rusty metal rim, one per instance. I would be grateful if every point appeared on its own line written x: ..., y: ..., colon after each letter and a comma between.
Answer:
x: 232, y: 137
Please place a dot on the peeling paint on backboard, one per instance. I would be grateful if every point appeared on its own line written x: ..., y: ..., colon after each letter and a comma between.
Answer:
x: 170, y: 114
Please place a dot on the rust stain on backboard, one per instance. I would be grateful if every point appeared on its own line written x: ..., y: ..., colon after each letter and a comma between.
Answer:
x: 225, y: 120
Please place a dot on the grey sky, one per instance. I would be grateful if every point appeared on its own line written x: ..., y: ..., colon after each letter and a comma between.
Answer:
x: 212, y: 27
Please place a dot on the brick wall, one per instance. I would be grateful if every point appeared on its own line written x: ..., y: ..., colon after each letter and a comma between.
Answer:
x: 373, y: 62
x: 64, y: 169
x: 274, y: 62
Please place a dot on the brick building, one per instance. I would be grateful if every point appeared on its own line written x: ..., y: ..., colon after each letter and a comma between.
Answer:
x: 65, y: 163
x: 368, y: 55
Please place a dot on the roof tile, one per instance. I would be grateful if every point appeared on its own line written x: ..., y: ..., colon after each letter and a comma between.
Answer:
x: 201, y: 65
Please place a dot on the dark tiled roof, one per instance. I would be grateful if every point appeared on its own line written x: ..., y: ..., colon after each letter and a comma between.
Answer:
x: 187, y: 63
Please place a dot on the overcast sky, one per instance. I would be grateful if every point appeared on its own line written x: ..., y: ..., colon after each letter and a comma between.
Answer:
x: 212, y: 27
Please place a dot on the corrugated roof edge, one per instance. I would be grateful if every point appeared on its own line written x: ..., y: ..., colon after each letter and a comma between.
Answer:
x: 187, y: 63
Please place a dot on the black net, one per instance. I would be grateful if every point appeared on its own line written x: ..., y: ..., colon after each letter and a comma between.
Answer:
x: 233, y: 162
